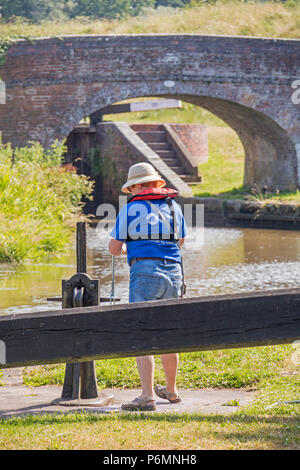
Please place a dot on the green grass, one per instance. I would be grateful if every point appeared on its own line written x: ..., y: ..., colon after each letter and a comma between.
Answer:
x: 235, y: 368
x: 223, y: 173
x: 80, y: 431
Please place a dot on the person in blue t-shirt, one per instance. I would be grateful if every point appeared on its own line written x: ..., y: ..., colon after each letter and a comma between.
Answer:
x: 150, y: 228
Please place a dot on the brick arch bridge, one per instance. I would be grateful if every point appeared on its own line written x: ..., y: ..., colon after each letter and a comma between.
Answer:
x: 52, y: 83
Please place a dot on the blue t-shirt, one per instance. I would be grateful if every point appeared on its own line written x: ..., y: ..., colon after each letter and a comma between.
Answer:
x: 145, y: 221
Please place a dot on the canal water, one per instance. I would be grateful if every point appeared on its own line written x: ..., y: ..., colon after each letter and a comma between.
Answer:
x: 216, y: 261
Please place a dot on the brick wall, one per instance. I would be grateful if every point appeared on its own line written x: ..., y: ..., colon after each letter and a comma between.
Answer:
x: 115, y: 150
x: 194, y: 137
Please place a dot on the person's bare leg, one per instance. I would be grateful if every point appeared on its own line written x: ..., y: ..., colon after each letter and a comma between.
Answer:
x: 170, y: 364
x: 146, y: 370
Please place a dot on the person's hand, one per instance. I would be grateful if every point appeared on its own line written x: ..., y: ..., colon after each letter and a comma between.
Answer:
x: 115, y: 247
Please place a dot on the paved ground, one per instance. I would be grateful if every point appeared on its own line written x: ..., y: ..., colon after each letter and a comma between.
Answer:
x: 19, y: 400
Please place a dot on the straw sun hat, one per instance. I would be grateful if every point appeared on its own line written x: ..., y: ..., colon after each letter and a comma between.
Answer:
x: 141, y: 173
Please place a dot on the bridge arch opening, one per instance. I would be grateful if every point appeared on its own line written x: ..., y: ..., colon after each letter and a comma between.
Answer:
x: 212, y: 146
x: 210, y: 142
x: 270, y: 158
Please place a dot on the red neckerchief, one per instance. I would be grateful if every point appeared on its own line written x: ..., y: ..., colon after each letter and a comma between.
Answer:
x: 154, y: 193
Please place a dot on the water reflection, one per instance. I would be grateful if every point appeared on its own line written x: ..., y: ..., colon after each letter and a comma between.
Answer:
x: 230, y: 260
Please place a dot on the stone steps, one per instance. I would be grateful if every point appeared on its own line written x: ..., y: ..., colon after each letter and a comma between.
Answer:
x: 155, y: 137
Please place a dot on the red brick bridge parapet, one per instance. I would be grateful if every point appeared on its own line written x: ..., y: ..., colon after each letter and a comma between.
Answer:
x: 52, y: 83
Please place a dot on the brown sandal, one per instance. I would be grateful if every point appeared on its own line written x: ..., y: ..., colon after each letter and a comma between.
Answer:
x: 140, y: 404
x: 162, y: 392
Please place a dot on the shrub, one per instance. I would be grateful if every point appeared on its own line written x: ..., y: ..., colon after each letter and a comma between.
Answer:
x: 40, y: 201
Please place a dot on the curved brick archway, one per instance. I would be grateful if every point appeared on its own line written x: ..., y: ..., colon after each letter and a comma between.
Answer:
x: 52, y: 83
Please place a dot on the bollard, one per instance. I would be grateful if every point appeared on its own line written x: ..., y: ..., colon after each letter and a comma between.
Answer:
x: 80, y: 382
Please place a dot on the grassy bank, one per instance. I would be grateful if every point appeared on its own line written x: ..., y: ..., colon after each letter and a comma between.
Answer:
x: 40, y: 202
x: 267, y: 19
x: 268, y: 370
x: 232, y: 368
x: 223, y: 173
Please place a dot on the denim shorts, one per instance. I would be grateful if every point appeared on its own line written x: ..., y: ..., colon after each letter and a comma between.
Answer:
x: 152, y: 279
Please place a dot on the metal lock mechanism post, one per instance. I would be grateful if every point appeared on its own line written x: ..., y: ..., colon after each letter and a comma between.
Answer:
x: 80, y: 383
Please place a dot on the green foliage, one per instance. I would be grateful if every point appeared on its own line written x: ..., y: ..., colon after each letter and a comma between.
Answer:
x: 172, y: 3
x: 232, y: 403
x: 110, y: 8
x: 5, y: 44
x: 39, y: 10
x: 40, y: 201
x: 60, y: 10
x: 36, y: 10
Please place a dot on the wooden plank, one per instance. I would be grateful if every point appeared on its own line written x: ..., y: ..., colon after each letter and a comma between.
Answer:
x: 115, y: 109
x: 154, y: 105
x: 2, y: 92
x: 191, y: 324
x: 81, y: 247
x: 151, y: 105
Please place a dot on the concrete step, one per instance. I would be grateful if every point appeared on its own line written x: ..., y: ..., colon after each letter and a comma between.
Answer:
x: 170, y: 161
x: 191, y: 179
x: 153, y: 136
x: 190, y: 183
x: 146, y: 127
x: 178, y: 169
x: 166, y: 154
x: 159, y: 146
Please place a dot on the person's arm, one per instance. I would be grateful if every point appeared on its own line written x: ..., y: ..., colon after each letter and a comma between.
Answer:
x: 181, y: 241
x: 116, y: 247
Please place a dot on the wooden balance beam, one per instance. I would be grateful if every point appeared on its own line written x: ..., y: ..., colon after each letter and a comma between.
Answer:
x: 163, y: 326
